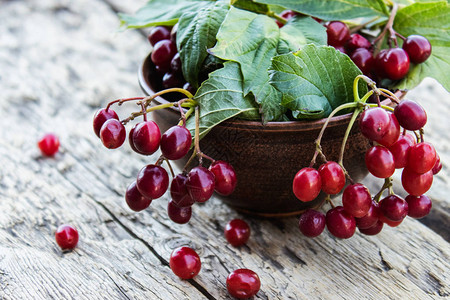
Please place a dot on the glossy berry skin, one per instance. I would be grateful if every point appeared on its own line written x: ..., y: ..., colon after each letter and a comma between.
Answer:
x: 237, y: 232
x: 400, y: 150
x: 395, y: 63
x: 374, y: 123
x: 130, y: 140
x: 356, y: 200
x: 421, y: 158
x: 394, y: 208
x: 410, y: 115
x: 370, y: 219
x: 307, y: 184
x: 175, y: 142
x: 175, y: 64
x: 48, y: 144
x: 113, y: 134
x: 380, y: 162
x: 157, y: 34
x: 340, y: 223
x: 379, y: 65
x: 101, y: 116
x: 188, y: 87
x: 134, y: 198
x: 200, y: 184
x: 418, y: 206
x: 179, y: 192
x: 389, y: 222
x: 163, y: 52
x: 312, y: 223
x: 416, y: 184
x: 146, y: 137
x: 357, y: 41
x: 393, y: 132
x: 225, y: 177
x: 179, y: 215
x: 185, y: 262
x: 332, y: 177
x: 374, y: 230
x: 364, y: 60
x: 66, y: 237
x: 337, y: 33
x: 173, y: 33
x: 243, y: 283
x: 437, y: 166
x: 418, y: 48
x: 152, y: 181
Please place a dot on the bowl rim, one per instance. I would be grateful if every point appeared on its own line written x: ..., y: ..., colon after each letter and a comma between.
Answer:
x: 299, y: 125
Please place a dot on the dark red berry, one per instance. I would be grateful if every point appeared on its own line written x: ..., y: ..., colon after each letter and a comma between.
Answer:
x: 380, y: 162
x: 48, y: 144
x: 374, y: 230
x: 418, y: 206
x: 185, y: 262
x: 437, y: 166
x: 418, y: 48
x: 130, y: 140
x: 394, y: 208
x: 179, y: 192
x: 395, y: 63
x: 364, y: 60
x: 237, y: 232
x: 243, y: 283
x: 66, y: 237
x: 421, y: 158
x: 332, y: 177
x: 379, y: 64
x: 163, y: 52
x: 175, y: 142
x: 188, y: 87
x: 179, y: 215
x: 157, y: 34
x: 400, y: 151
x: 152, y: 181
x: 311, y: 223
x: 340, y: 223
x: 146, y: 137
x: 340, y: 48
x: 307, y: 184
x: 393, y: 132
x: 370, y: 219
x: 225, y: 177
x: 172, y: 80
x: 175, y: 64
x: 356, y: 200
x: 113, y: 134
x: 173, y: 33
x: 338, y: 33
x: 286, y: 14
x: 389, y: 222
x: 200, y: 184
x: 416, y: 184
x: 357, y: 41
x: 101, y: 116
x: 410, y: 115
x: 374, y: 123
x: 134, y: 198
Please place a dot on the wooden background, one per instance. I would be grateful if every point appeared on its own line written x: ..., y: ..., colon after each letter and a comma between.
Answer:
x: 61, y: 60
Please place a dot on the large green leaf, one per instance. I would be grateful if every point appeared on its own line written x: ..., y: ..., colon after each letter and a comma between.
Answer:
x: 221, y: 97
x: 300, y: 31
x: 431, y: 20
x: 251, y: 40
x: 251, y: 6
x: 333, y: 9
x: 161, y: 12
x: 196, y: 33
x: 314, y: 80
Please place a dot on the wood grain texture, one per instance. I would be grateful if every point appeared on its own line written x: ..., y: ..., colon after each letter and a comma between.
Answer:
x: 59, y: 62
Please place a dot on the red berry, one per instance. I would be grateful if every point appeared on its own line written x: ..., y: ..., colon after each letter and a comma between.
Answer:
x: 340, y: 223
x: 338, y: 33
x: 173, y: 33
x: 113, y: 134
x: 410, y: 115
x: 243, y: 283
x: 370, y: 219
x: 393, y: 132
x: 356, y: 200
x: 307, y: 184
x: 364, y: 60
x: 237, y: 232
x: 389, y: 222
x: 437, y: 166
x: 157, y: 34
x: 400, y: 150
x: 101, y: 116
x: 175, y: 142
x: 379, y: 64
x: 418, y: 206
x: 200, y: 184
x: 185, y: 262
x: 66, y: 237
x: 146, y: 137
x: 225, y: 177
x: 421, y: 158
x: 152, y: 181
x: 374, y: 230
x: 172, y: 80
x: 418, y: 48
x: 332, y: 177
x: 130, y: 140
x: 357, y: 41
x: 48, y: 144
x: 395, y: 63
x: 311, y: 223
x: 416, y: 184
x: 286, y: 14
x: 179, y: 215
x: 380, y: 162
x: 374, y: 123
x: 163, y: 52
x: 134, y: 198
x: 394, y: 208
x: 179, y: 192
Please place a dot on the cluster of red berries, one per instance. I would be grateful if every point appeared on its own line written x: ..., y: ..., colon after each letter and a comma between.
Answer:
x: 393, y: 149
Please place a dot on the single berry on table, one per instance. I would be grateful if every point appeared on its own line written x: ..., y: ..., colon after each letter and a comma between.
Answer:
x: 152, y: 181
x: 113, y: 134
x: 134, y: 198
x: 311, y: 223
x: 340, y: 223
x: 225, y: 177
x: 243, y: 283
x: 200, y: 184
x: 418, y: 206
x: 179, y: 215
x: 185, y: 262
x: 48, y: 144
x: 237, y: 232
x: 66, y: 237
x: 418, y: 48
x: 307, y: 184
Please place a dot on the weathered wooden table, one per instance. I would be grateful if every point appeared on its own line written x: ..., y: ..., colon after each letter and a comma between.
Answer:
x: 61, y: 60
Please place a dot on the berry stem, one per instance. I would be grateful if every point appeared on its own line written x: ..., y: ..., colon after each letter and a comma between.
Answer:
x: 347, y: 132
x: 386, y: 185
x: 120, y: 101
x: 276, y: 17
x: 186, y: 116
x: 388, y: 27
x: 328, y: 199
x: 170, y: 167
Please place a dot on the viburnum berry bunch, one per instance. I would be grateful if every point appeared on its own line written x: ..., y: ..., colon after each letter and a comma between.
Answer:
x: 193, y: 185
x: 397, y: 137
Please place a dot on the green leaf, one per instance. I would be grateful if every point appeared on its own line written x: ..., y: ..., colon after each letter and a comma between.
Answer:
x: 160, y: 13
x: 432, y: 21
x: 251, y: 6
x: 315, y: 80
x: 196, y: 33
x: 251, y: 40
x: 300, y: 31
x: 333, y: 9
x: 221, y: 97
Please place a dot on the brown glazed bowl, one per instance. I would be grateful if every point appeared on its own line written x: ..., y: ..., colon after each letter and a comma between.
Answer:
x: 267, y: 157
